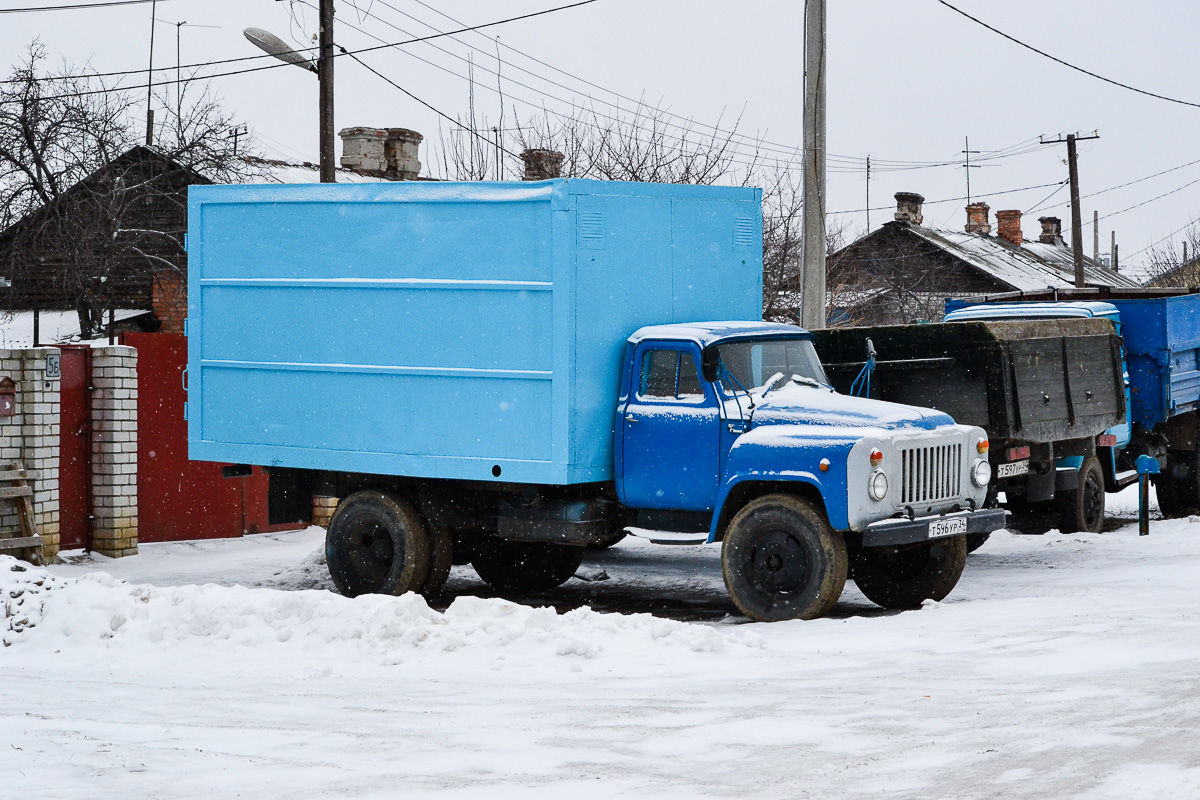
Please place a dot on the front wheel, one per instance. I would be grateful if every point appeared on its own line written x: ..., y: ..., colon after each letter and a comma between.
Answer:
x: 781, y: 560
x: 904, y: 576
x: 1177, y: 486
x: 512, y: 566
x: 1082, y: 509
x: 376, y: 544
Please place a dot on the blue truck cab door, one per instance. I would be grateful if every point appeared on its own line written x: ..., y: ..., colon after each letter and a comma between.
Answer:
x: 671, y: 431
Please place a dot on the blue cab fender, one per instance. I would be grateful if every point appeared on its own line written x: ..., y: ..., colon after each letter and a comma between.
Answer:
x: 786, y: 454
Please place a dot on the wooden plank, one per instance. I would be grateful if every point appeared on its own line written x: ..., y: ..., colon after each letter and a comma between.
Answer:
x: 10, y: 492
x: 20, y: 543
x: 13, y: 475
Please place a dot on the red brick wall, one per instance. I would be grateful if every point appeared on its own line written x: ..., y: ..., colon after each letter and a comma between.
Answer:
x: 170, y: 301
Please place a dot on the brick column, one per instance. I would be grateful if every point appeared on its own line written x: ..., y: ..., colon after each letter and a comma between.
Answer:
x: 114, y: 451
x: 323, y: 507
x: 31, y: 438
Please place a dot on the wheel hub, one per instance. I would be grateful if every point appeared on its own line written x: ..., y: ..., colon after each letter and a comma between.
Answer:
x: 779, y: 563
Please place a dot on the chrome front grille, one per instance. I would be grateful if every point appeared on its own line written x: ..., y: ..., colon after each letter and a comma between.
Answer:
x: 930, y: 473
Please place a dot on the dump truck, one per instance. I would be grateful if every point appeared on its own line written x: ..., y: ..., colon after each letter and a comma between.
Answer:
x: 1043, y: 387
x: 502, y: 373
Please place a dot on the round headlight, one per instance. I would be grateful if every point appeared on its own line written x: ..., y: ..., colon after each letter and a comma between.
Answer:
x: 878, y: 485
x: 981, y: 473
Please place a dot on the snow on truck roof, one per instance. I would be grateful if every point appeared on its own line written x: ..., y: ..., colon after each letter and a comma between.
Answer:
x: 1078, y: 308
x: 706, y: 333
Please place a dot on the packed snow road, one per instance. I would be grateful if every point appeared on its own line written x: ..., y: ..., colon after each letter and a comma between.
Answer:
x: 1061, y: 667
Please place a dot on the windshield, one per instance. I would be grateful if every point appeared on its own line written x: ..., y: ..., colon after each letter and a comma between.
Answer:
x: 753, y: 362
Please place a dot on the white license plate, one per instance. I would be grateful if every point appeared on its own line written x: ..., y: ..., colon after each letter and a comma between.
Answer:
x: 951, y: 526
x: 1012, y: 469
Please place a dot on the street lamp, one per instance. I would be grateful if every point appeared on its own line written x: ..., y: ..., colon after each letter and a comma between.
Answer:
x: 280, y: 49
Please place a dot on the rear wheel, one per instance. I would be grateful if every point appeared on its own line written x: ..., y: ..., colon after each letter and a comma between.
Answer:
x: 376, y: 544
x: 781, y: 560
x: 1082, y: 509
x: 904, y: 576
x: 1178, y: 486
x: 511, y: 566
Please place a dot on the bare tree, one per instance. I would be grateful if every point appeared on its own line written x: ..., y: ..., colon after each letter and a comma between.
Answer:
x: 83, y: 211
x: 1170, y: 265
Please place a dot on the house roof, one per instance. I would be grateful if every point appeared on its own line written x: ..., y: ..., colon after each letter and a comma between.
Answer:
x: 296, y: 172
x: 1032, y: 266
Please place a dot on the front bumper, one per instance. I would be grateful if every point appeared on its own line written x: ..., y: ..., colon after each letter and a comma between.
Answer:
x: 910, y: 531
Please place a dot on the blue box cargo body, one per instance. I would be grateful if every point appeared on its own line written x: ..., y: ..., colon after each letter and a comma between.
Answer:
x: 1162, y: 346
x: 445, y: 330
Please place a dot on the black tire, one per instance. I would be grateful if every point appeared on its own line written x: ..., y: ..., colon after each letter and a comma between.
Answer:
x: 976, y: 541
x: 441, y: 558
x: 781, y: 560
x: 1082, y: 509
x: 904, y: 576
x: 1178, y: 486
x: 376, y: 544
x: 509, y: 566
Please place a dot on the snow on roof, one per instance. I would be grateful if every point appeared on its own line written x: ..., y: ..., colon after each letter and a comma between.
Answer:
x: 706, y: 333
x: 1032, y: 266
x: 54, y: 327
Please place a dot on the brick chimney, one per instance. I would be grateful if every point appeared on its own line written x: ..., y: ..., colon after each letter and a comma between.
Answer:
x: 541, y: 165
x: 383, y: 152
x: 908, y: 208
x: 977, y: 219
x: 1008, y: 227
x: 1051, y: 231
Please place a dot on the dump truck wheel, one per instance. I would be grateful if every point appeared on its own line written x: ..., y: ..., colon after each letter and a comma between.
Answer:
x: 976, y: 541
x: 1082, y: 509
x: 441, y: 558
x: 781, y: 560
x: 376, y: 544
x: 1177, y: 486
x: 904, y: 576
x: 510, y: 566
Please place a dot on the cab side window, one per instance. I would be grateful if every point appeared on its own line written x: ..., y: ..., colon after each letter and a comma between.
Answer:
x: 670, y: 374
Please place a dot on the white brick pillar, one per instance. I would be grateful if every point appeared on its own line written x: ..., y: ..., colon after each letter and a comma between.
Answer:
x: 38, y: 395
x: 114, y: 451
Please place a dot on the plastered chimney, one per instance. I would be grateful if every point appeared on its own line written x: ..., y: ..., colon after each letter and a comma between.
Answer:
x: 385, y: 152
x: 1008, y: 227
x: 908, y: 208
x: 1051, y: 230
x: 977, y: 219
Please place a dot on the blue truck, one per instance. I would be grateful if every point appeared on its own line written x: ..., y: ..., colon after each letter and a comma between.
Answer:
x: 1160, y: 333
x: 503, y: 373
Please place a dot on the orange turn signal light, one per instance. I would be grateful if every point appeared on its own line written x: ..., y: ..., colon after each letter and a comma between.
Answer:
x: 981, y: 446
x: 876, y: 457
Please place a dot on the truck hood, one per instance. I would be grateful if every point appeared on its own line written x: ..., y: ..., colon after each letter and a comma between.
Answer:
x: 794, y: 404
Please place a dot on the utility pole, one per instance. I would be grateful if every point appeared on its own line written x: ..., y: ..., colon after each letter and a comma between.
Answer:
x: 1076, y: 215
x: 325, y: 78
x: 812, y: 278
x: 967, y: 165
x: 1096, y: 235
x: 868, y: 194
x: 150, y: 78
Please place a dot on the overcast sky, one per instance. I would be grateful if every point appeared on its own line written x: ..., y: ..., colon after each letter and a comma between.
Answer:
x: 908, y: 80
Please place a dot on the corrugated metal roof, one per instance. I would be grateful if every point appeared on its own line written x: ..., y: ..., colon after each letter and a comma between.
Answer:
x: 1032, y: 266
x: 290, y: 172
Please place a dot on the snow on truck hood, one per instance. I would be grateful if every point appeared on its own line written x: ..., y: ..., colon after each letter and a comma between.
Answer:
x: 794, y: 404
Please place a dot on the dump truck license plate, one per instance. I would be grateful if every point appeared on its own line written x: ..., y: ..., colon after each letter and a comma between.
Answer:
x: 1012, y: 469
x: 947, y: 527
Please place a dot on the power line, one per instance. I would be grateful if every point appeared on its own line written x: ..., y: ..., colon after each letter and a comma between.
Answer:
x: 1131, y: 183
x: 298, y: 50
x: 1066, y: 63
x: 950, y: 199
x: 471, y: 130
x: 32, y: 9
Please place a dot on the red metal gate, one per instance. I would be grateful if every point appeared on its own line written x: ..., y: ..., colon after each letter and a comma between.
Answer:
x: 177, y: 498
x: 75, y: 449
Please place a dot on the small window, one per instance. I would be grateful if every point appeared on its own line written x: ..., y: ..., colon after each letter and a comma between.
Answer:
x: 670, y: 374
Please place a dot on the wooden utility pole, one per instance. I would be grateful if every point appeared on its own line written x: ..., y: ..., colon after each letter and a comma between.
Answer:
x: 1076, y: 214
x: 150, y: 77
x: 812, y: 278
x: 1096, y: 236
x: 868, y: 206
x: 325, y: 77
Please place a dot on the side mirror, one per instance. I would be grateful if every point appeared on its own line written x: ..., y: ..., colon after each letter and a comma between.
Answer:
x: 710, y: 364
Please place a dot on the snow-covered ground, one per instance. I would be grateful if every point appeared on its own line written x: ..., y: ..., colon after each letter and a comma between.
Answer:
x: 1061, y: 667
